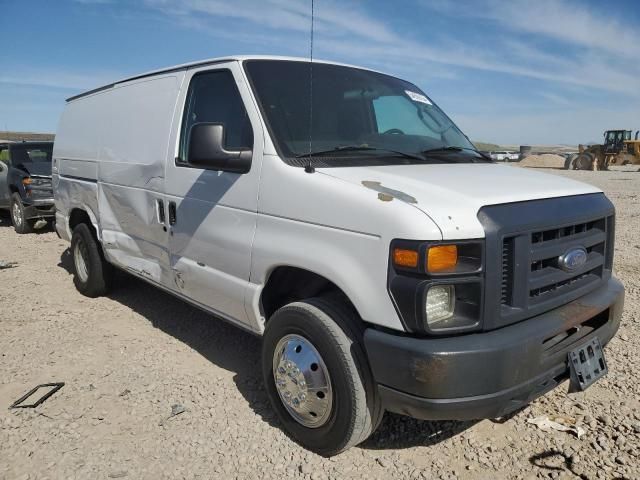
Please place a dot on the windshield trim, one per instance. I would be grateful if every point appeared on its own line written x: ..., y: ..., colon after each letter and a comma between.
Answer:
x: 294, y: 161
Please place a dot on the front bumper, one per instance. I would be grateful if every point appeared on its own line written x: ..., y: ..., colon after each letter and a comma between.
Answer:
x: 39, y: 208
x: 489, y: 374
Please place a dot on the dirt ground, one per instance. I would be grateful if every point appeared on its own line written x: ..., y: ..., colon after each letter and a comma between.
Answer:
x: 128, y: 358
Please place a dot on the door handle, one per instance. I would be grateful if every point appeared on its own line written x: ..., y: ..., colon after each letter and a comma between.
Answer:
x: 160, y: 205
x: 172, y: 213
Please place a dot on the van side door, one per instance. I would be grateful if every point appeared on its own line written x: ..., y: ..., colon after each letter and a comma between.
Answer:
x: 211, y: 213
x: 4, y: 170
x: 136, y: 121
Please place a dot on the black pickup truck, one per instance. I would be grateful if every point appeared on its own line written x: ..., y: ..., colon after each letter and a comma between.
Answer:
x: 25, y: 183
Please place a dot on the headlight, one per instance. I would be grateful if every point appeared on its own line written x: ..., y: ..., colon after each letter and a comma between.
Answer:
x: 440, y: 304
x: 33, y: 182
x: 451, y: 307
x: 437, y: 287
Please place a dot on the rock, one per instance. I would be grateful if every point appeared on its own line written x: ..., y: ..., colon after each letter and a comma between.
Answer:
x: 177, y: 409
x: 118, y: 474
x: 606, y: 420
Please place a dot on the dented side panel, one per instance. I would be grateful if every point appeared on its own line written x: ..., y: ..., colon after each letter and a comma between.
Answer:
x: 132, y: 154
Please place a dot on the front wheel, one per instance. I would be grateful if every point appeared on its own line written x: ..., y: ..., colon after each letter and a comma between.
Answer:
x: 93, y: 274
x: 20, y: 223
x: 585, y: 161
x: 317, y: 375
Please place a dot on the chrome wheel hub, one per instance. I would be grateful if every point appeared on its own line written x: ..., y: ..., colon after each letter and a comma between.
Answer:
x: 302, y: 381
x: 80, y: 260
x: 17, y: 215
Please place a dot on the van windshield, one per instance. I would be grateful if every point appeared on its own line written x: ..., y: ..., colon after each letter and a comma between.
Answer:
x: 356, y: 115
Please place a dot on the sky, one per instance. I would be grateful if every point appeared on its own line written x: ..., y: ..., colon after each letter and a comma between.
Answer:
x: 507, y: 72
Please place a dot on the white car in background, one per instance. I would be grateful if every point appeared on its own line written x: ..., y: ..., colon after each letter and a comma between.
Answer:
x: 504, y: 156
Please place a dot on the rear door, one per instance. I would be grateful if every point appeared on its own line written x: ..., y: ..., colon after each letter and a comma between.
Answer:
x: 212, y: 214
x: 4, y: 170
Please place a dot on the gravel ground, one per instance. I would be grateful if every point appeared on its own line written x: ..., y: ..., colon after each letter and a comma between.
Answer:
x: 127, y: 359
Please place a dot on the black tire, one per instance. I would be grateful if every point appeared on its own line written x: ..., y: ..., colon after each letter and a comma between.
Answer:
x: 569, y: 162
x: 20, y: 224
x: 99, y: 273
x: 333, y: 329
x: 584, y: 161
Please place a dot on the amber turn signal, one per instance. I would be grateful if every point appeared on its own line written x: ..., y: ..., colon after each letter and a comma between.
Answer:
x: 405, y: 258
x: 442, y: 258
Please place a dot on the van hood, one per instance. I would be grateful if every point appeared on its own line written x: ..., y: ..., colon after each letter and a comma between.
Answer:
x: 452, y: 194
x: 41, y: 169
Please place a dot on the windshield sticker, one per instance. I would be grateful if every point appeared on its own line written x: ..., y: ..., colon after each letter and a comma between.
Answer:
x: 417, y: 97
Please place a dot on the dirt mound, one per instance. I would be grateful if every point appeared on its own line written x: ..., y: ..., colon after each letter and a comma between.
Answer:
x: 547, y: 160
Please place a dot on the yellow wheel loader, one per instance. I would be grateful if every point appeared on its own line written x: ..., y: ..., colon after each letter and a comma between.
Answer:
x: 618, y: 149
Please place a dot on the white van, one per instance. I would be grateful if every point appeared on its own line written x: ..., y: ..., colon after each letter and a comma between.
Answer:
x: 385, y: 262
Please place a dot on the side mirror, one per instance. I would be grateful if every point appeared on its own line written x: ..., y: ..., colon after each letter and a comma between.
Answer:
x: 206, y: 150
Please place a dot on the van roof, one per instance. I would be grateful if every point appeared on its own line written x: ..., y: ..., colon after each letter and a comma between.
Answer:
x: 201, y: 63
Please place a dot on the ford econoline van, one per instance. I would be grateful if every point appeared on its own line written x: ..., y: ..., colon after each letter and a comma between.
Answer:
x: 341, y: 215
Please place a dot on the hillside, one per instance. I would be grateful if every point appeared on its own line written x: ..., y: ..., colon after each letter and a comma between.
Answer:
x: 28, y: 136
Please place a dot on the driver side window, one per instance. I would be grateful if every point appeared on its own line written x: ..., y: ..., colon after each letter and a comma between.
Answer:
x: 213, y: 97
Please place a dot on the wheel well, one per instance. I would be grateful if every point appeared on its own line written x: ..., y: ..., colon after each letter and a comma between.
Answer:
x: 290, y: 284
x: 77, y: 217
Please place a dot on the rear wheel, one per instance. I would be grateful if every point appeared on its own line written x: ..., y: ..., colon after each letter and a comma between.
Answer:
x: 317, y: 375
x: 93, y: 274
x: 569, y: 163
x: 20, y: 223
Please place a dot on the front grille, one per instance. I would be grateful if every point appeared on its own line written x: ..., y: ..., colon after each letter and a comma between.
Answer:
x: 42, y: 182
x: 41, y: 189
x: 506, y: 285
x: 545, y: 278
x: 524, y: 242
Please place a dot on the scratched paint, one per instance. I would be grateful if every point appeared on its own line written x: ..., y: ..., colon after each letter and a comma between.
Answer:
x: 387, y: 194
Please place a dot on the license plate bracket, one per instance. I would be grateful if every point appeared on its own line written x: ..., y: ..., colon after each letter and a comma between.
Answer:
x: 586, y: 365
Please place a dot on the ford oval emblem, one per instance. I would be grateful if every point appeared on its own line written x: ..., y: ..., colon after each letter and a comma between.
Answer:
x: 573, y: 259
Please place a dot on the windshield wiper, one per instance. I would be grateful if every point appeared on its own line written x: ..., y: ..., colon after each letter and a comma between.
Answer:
x: 360, y: 148
x: 452, y: 148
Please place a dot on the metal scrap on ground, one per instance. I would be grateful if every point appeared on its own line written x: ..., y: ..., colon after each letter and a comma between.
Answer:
x: 53, y: 388
x: 561, y: 423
